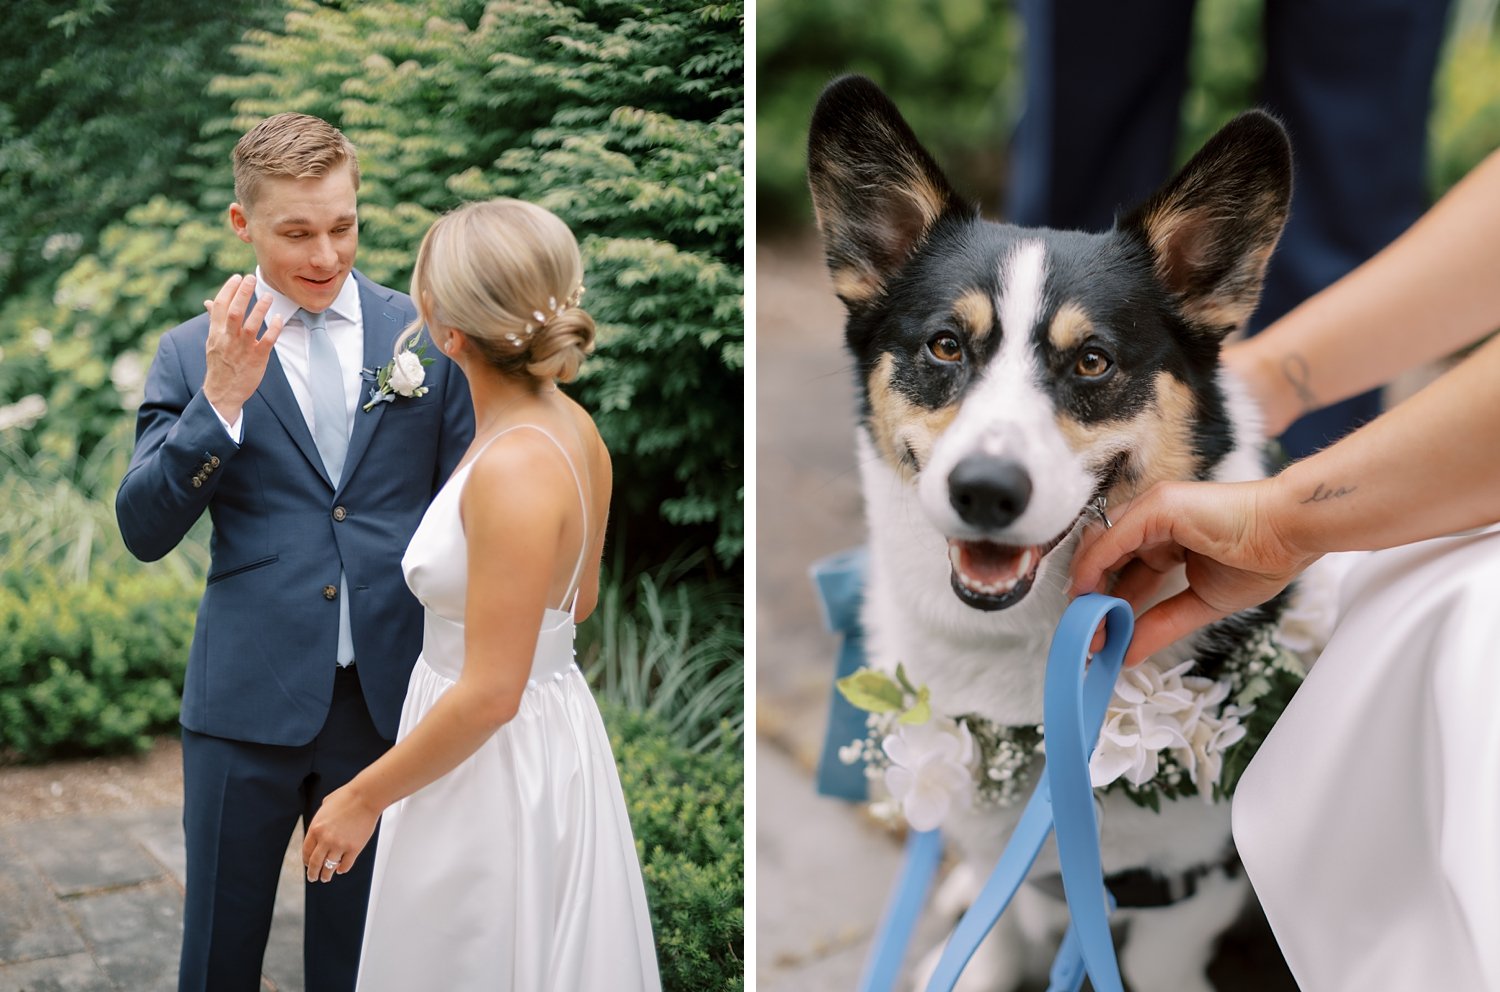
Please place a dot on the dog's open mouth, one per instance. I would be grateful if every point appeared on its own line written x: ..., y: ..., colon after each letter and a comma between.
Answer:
x: 990, y: 576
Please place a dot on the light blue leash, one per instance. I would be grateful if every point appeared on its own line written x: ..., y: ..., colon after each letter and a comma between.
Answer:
x: 1076, y: 695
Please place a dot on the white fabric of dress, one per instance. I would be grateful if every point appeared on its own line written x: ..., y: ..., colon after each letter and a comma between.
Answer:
x: 516, y: 870
x: 1369, y: 821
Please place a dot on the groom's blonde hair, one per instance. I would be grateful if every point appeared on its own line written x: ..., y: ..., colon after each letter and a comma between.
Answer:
x: 289, y: 146
x: 508, y: 274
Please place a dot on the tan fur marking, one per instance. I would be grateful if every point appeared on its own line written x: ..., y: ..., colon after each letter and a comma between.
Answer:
x: 856, y: 285
x: 1160, y: 438
x: 1070, y: 327
x: 975, y: 313
x: 896, y: 422
x: 1232, y: 310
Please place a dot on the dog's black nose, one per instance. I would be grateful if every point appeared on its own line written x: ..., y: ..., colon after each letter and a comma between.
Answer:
x: 988, y: 492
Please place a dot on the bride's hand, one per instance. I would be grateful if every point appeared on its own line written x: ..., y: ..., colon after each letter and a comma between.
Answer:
x: 339, y: 831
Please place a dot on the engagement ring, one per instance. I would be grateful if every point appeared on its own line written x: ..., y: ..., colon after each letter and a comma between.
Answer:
x: 330, y: 864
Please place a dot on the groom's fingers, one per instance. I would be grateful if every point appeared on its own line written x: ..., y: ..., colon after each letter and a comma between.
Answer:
x: 241, y: 299
x: 219, y: 307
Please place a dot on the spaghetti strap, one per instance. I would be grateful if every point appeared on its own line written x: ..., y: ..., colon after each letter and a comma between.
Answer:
x: 570, y: 605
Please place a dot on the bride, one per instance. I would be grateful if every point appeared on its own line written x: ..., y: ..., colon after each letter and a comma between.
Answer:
x: 506, y: 859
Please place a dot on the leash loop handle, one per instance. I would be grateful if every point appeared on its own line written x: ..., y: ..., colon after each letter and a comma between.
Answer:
x: 1075, y: 697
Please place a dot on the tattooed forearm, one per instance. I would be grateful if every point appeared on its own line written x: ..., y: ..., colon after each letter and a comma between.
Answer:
x: 1323, y: 493
x: 1299, y: 375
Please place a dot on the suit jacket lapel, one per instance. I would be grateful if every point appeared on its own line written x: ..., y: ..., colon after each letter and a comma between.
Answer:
x: 276, y: 391
x: 382, y: 325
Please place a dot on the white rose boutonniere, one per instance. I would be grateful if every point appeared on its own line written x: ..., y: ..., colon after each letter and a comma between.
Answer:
x: 403, y: 375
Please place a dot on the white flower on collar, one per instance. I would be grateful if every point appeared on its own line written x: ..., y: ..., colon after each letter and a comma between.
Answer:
x: 1154, y: 711
x: 931, y: 771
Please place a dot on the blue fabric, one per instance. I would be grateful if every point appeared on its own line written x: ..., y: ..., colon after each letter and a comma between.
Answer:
x: 839, y: 580
x: 330, y: 416
x: 1352, y: 83
x: 261, y: 666
x: 245, y: 801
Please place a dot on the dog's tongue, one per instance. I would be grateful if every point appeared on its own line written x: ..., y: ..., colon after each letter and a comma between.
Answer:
x: 991, y: 568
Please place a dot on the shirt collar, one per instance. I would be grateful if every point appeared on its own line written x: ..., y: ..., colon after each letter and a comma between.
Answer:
x: 345, y: 305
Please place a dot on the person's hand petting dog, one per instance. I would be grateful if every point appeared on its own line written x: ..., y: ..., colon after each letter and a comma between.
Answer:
x: 1428, y: 467
x: 1222, y: 533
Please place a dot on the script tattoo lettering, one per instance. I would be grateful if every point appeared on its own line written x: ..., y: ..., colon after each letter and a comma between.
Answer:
x: 1297, y: 372
x: 1322, y: 493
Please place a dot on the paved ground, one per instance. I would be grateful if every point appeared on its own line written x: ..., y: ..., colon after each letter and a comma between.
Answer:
x: 823, y: 869
x: 91, y: 875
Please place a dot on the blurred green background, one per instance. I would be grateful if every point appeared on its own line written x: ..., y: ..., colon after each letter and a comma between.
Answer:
x: 953, y: 67
x: 625, y: 117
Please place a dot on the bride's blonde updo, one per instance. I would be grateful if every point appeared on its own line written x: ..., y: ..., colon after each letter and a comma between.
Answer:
x: 508, y: 274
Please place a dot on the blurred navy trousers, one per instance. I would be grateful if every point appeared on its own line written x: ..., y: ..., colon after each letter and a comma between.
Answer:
x: 1351, y: 81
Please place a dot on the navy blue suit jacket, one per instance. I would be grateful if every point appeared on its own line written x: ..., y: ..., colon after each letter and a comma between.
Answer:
x: 262, y: 661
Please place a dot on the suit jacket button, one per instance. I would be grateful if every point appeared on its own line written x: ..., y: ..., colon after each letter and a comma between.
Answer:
x: 197, y: 482
x: 214, y: 461
x: 340, y: 514
x: 330, y: 592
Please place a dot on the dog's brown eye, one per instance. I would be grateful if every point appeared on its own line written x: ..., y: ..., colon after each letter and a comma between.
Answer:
x: 1092, y: 364
x: 945, y: 348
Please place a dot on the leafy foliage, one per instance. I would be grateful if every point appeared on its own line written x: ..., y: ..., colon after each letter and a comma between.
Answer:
x: 952, y: 66
x: 625, y: 118
x: 90, y: 668
x: 85, y: 133
x: 688, y: 814
x: 673, y: 650
x: 1466, y: 119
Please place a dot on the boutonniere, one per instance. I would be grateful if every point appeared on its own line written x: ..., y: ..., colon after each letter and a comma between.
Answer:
x: 403, y: 375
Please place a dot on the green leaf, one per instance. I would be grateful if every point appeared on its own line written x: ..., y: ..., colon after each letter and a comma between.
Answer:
x: 905, y: 682
x: 921, y: 712
x: 872, y: 691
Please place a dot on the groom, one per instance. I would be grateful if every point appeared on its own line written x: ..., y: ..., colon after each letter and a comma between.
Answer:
x: 306, y: 633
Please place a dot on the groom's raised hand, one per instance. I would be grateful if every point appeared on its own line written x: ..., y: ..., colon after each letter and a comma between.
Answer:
x: 236, y: 351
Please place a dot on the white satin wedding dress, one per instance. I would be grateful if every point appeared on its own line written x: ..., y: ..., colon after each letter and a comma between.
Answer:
x: 516, y: 870
x: 1369, y: 821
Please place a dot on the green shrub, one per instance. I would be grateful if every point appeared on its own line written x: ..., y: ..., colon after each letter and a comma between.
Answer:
x: 674, y: 651
x: 952, y: 66
x: 688, y: 814
x: 626, y: 118
x: 90, y: 668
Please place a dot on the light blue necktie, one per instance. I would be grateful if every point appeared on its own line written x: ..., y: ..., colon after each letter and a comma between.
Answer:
x: 330, y: 428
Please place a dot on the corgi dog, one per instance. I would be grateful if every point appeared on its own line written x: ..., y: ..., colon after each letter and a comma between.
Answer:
x: 1009, y: 379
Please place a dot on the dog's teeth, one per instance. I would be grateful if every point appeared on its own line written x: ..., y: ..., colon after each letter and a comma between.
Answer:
x: 1025, y: 565
x: 955, y: 555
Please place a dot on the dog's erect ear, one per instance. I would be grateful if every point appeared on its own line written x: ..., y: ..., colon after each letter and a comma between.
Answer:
x: 1211, y: 229
x: 875, y: 190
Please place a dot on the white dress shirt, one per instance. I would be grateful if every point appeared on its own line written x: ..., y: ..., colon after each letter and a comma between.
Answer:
x: 346, y: 328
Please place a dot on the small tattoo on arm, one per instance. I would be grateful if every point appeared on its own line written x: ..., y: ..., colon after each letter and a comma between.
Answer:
x: 1322, y: 493
x: 1299, y: 375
